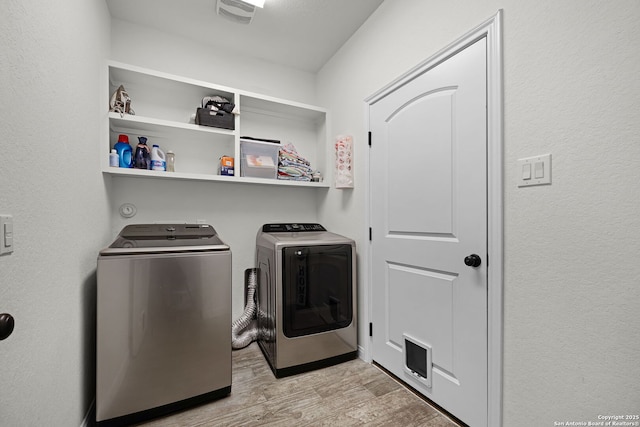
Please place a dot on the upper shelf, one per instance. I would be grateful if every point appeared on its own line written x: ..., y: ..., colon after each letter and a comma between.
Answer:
x: 138, y: 76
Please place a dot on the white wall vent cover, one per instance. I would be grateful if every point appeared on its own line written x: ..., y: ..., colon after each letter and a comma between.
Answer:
x: 236, y: 11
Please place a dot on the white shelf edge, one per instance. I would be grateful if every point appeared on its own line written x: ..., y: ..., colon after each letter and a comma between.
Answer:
x: 282, y: 101
x: 115, y: 118
x: 142, y: 173
x: 201, y: 83
x: 168, y: 76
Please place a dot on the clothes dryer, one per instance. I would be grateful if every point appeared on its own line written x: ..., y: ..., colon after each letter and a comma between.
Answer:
x: 306, y: 297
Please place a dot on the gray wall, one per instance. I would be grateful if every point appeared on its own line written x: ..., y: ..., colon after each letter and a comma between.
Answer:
x: 52, y: 63
x: 571, y: 88
x: 571, y: 280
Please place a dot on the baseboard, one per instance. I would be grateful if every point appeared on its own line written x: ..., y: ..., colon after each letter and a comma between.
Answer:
x: 362, y: 354
x: 89, y: 419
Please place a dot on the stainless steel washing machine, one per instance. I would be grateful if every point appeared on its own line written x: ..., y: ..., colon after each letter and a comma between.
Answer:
x: 306, y: 297
x: 163, y: 321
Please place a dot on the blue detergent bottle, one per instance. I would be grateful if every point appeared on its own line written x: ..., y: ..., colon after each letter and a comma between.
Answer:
x: 124, y: 151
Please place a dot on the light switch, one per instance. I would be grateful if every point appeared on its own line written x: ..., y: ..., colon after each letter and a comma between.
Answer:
x: 6, y: 234
x: 539, y: 170
x: 534, y: 171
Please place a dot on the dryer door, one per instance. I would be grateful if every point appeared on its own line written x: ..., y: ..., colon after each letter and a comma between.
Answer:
x: 317, y: 289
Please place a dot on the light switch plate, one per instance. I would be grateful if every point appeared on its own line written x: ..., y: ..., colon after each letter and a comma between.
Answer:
x: 534, y: 171
x: 6, y: 234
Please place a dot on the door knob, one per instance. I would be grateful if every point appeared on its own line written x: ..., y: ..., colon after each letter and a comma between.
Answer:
x: 6, y: 325
x: 472, y: 260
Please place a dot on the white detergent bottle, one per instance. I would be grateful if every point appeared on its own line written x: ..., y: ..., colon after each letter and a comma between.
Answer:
x: 158, y: 159
x: 114, y: 158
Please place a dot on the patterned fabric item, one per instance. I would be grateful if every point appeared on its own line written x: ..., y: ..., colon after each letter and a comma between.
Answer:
x: 292, y: 166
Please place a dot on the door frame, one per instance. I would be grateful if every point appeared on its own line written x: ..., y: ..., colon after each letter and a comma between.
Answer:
x: 491, y: 29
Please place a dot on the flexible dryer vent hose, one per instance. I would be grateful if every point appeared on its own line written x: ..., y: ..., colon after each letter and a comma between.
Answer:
x: 244, y: 330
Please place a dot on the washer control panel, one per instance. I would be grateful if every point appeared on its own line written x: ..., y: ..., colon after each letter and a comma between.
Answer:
x: 292, y: 227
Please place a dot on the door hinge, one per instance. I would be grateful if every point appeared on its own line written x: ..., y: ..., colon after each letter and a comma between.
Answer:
x: 370, y: 234
x: 369, y: 139
x: 370, y: 329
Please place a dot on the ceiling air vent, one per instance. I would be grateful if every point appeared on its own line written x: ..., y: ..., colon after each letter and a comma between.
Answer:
x: 236, y: 11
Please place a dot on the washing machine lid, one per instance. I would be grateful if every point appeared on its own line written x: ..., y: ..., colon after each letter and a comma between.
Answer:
x: 154, y: 238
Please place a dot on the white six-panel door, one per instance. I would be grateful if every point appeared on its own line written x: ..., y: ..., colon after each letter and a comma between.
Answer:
x: 428, y: 183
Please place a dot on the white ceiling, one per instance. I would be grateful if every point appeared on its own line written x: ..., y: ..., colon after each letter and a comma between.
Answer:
x: 303, y: 34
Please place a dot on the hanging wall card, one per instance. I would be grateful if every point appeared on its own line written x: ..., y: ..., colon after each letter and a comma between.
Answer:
x: 344, y: 162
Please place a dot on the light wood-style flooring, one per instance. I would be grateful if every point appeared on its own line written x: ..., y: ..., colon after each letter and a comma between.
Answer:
x: 353, y: 393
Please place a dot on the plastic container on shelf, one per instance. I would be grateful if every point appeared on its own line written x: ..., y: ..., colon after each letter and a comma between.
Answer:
x: 143, y: 156
x: 171, y: 161
x: 124, y: 151
x: 158, y: 159
x: 259, y: 159
x: 114, y: 159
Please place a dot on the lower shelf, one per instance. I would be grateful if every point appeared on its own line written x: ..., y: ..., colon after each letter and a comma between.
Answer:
x: 141, y: 173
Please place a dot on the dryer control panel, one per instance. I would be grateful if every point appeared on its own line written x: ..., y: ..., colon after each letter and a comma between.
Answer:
x: 288, y: 228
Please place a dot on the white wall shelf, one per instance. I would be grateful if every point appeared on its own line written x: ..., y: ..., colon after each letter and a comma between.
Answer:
x: 141, y: 173
x: 165, y: 103
x: 148, y: 124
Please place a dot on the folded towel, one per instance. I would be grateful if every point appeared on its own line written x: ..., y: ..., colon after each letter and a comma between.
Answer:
x: 292, y: 166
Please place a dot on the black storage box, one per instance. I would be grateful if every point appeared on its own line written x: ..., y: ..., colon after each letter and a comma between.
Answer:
x: 218, y: 119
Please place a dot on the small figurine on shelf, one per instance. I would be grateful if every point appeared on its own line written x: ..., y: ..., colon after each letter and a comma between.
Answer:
x: 121, y: 102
